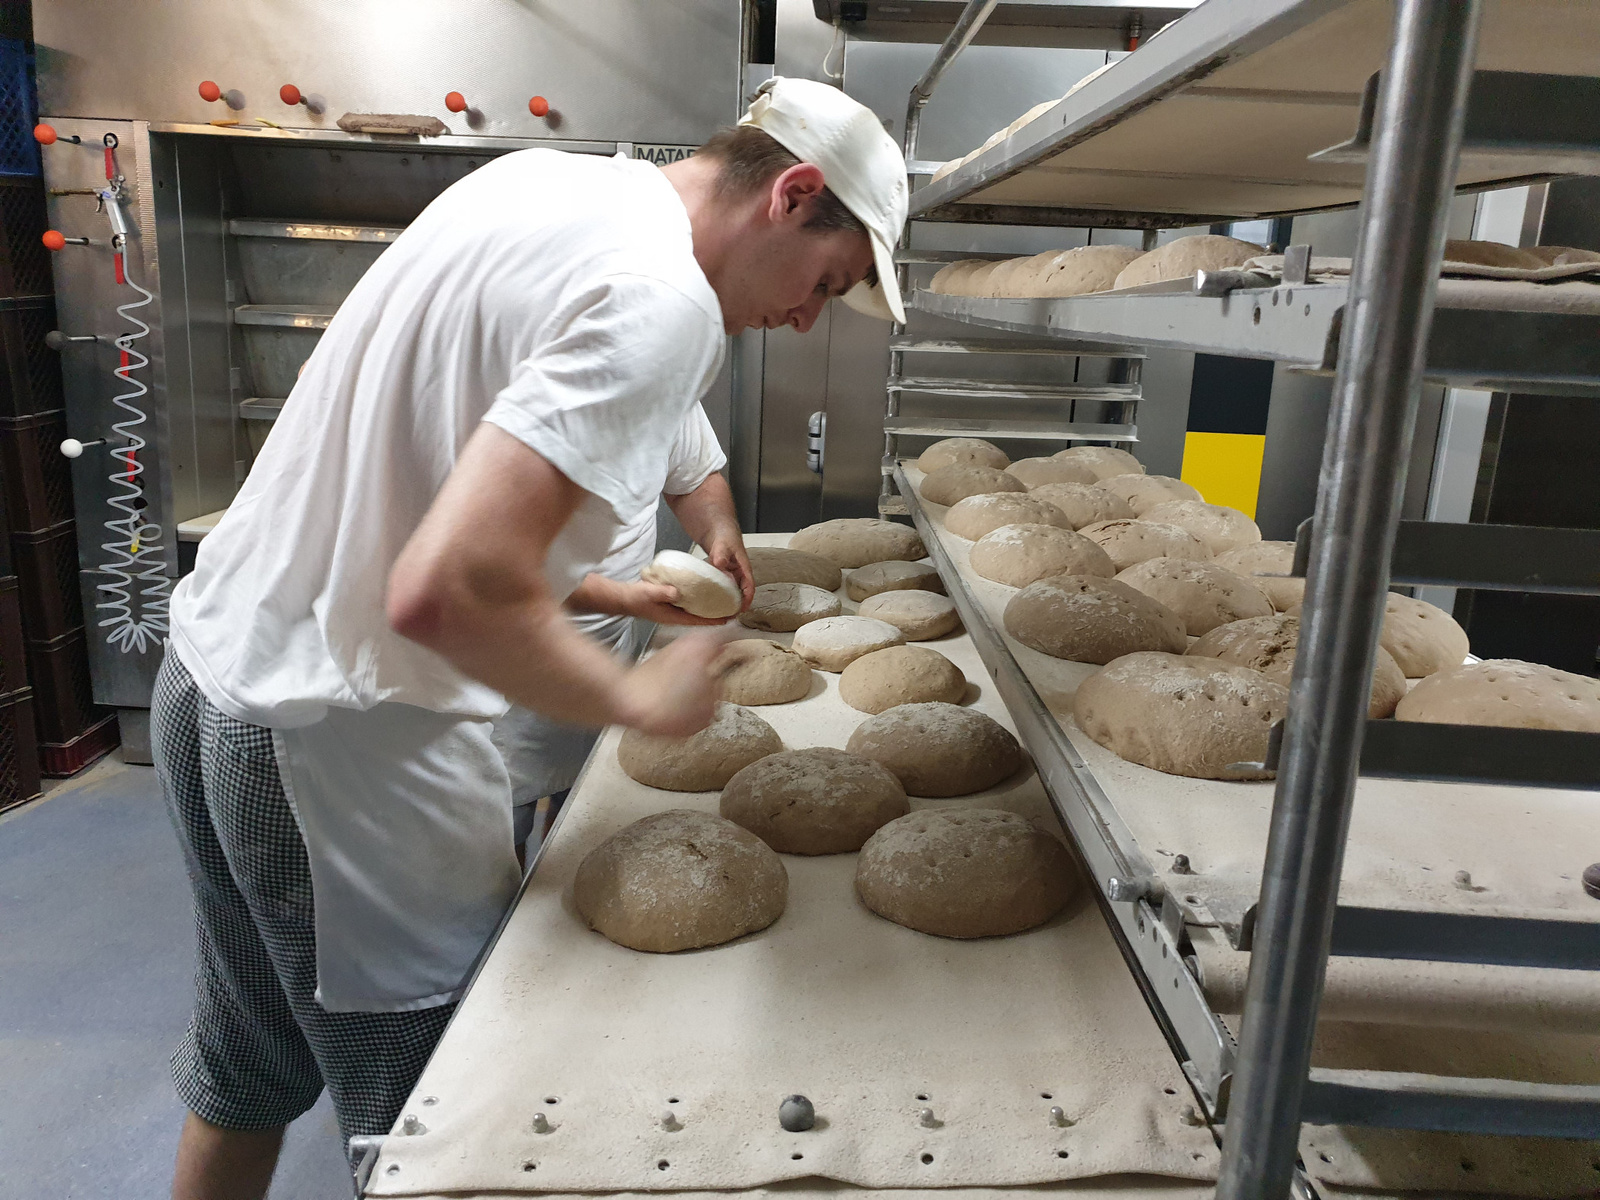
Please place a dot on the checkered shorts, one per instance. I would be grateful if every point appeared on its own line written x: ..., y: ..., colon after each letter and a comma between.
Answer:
x: 259, y: 1047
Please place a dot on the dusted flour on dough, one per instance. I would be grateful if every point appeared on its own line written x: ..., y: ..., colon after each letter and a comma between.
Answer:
x: 955, y: 450
x: 701, y: 762
x: 1017, y: 555
x: 949, y: 484
x: 785, y: 607
x: 1084, y: 504
x: 836, y: 642
x: 1219, y: 527
x: 1269, y: 644
x: 977, y: 515
x: 1201, y: 593
x: 1506, y: 692
x: 1261, y: 559
x: 1130, y: 542
x: 939, y: 749
x: 814, y: 801
x: 754, y: 671
x: 917, y: 614
x: 901, y: 675
x: 868, y: 581
x: 1085, y: 619
x: 857, y: 541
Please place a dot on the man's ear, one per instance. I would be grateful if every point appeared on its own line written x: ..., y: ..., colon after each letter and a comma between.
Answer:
x: 792, y: 193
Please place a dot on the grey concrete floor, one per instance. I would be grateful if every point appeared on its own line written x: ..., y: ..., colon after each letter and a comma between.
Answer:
x: 96, y: 967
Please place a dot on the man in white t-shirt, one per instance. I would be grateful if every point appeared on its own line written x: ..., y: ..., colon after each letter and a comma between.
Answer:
x: 492, y: 403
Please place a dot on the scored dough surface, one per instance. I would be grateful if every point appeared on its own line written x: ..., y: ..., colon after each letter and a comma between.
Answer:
x: 701, y: 762
x: 865, y: 582
x: 949, y: 484
x: 939, y: 750
x: 965, y: 873
x: 1219, y: 527
x: 950, y: 451
x: 1104, y: 461
x: 1144, y: 492
x: 1035, y: 472
x: 1181, y: 714
x: 1203, y: 594
x: 836, y: 642
x: 1181, y: 258
x: 917, y: 614
x: 1084, y: 619
x: 774, y: 564
x: 900, y: 675
x: 1269, y: 644
x: 703, y: 590
x: 814, y: 801
x: 1506, y: 692
x: 1422, y: 637
x: 1081, y: 270
x: 680, y: 880
x: 755, y: 671
x: 1130, y: 542
x: 857, y: 541
x: 1017, y: 555
x: 977, y: 515
x: 785, y: 607
x: 1084, y: 503
x: 1262, y: 559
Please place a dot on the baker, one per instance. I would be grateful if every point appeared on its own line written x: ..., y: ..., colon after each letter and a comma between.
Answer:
x: 491, y: 404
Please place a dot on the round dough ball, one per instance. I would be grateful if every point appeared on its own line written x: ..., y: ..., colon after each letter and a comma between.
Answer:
x: 945, y: 279
x: 814, y: 801
x: 892, y: 577
x: 1084, y: 504
x: 1202, y: 594
x: 977, y: 515
x: 1084, y: 269
x: 857, y: 541
x: 1104, y: 461
x: 1219, y: 527
x: 701, y: 762
x: 1181, y: 258
x: 1260, y: 559
x: 833, y: 644
x: 1268, y: 644
x: 938, y: 750
x: 703, y: 590
x: 1082, y: 619
x: 901, y: 675
x: 1016, y: 555
x: 949, y: 484
x: 773, y: 564
x: 784, y: 607
x: 754, y: 671
x: 1507, y: 692
x: 1422, y: 637
x: 1490, y: 254
x: 955, y: 450
x: 680, y: 880
x: 1035, y: 472
x: 1181, y: 714
x: 965, y: 873
x: 917, y: 614
x: 1144, y: 492
x: 1130, y: 542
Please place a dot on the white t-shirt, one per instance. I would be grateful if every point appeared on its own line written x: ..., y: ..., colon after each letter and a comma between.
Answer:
x: 558, y: 297
x: 554, y: 295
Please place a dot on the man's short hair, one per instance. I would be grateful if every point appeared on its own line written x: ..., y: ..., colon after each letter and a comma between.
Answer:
x: 749, y: 158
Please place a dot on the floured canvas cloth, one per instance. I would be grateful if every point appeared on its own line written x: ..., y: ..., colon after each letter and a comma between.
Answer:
x: 1118, y: 1187
x: 873, y: 1022
x: 1270, y: 266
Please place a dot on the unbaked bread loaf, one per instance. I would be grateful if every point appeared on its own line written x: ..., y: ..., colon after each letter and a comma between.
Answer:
x: 703, y: 590
x: 958, y: 450
x: 1084, y: 269
x: 1261, y: 559
x: 1129, y: 542
x: 1104, y: 461
x: 1144, y: 492
x: 965, y: 873
x: 950, y: 484
x: 1219, y: 527
x: 938, y: 750
x: 1085, y: 504
x: 1083, y: 619
x: 1201, y: 593
x: 1180, y: 259
x: 814, y: 801
x: 1016, y: 555
x: 1562, y: 256
x: 865, y: 582
x: 785, y: 607
x: 919, y: 615
x: 754, y: 671
x: 1490, y: 254
x: 1035, y: 472
x: 680, y: 880
x: 701, y: 762
x: 944, y: 278
x: 1181, y: 714
x: 1422, y: 637
x: 900, y: 675
x: 857, y: 541
x: 833, y: 644
x: 1507, y: 692
x: 773, y: 564
x: 977, y: 515
x: 1269, y: 644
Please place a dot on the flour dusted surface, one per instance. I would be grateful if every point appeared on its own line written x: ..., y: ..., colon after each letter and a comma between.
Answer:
x: 939, y: 749
x: 702, y: 761
x: 813, y: 801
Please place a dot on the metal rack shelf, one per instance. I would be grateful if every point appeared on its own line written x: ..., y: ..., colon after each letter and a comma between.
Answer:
x: 1038, y: 431
x: 303, y: 316
x: 261, y: 408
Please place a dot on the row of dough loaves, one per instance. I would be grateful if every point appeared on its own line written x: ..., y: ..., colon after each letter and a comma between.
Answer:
x: 1083, y: 270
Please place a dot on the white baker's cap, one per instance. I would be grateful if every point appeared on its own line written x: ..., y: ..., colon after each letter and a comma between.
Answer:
x: 860, y: 163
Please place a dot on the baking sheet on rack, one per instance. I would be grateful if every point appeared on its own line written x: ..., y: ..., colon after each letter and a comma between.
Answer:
x: 1524, y: 849
x: 872, y: 1021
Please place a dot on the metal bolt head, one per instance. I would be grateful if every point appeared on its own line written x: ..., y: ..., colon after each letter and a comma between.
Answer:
x: 1180, y: 865
x: 669, y: 1120
x: 541, y: 1123
x: 1058, y: 1116
x: 411, y: 1126
x: 1591, y: 880
x: 1124, y: 891
x: 797, y: 1114
x: 926, y: 1118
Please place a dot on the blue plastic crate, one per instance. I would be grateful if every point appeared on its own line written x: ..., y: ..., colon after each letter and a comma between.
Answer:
x: 19, y: 153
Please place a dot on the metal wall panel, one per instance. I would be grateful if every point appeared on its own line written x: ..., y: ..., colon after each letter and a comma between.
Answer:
x: 661, y: 71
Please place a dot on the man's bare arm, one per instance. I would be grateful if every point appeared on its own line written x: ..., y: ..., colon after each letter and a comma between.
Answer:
x: 470, y: 586
x: 707, y: 515
x: 635, y: 598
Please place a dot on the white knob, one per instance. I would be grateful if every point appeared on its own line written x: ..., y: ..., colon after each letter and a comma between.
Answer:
x: 72, y: 448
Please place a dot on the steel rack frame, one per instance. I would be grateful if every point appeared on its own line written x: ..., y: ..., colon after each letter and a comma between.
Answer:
x: 1381, y: 334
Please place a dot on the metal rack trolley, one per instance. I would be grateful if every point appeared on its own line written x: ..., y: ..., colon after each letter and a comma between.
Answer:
x: 1425, y: 126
